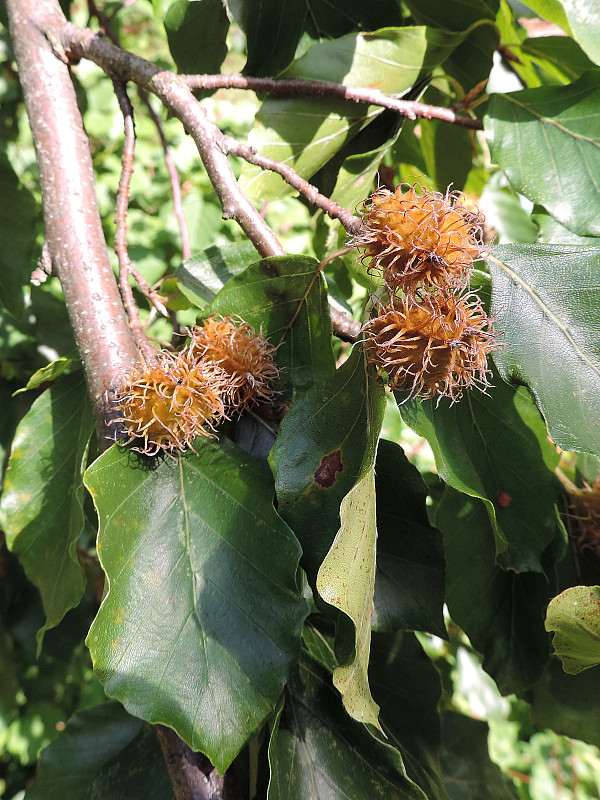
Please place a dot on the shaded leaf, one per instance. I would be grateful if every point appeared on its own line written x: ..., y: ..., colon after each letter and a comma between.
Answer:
x: 103, y: 753
x: 505, y: 214
x: 326, y: 442
x: 407, y: 687
x: 196, y: 33
x: 41, y: 510
x: 202, y: 620
x: 306, y: 133
x: 527, y: 130
x: 201, y: 277
x: 346, y: 580
x: 568, y: 704
x: 470, y: 773
x: 546, y: 298
x: 286, y: 297
x: 584, y: 21
x: 273, y: 29
x: 333, y: 18
x: 477, y: 442
x: 409, y: 583
x: 574, y: 617
x: 317, y: 751
x: 18, y: 216
x: 500, y: 611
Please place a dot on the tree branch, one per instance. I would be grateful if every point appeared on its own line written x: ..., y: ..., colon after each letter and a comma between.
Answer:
x: 73, y: 229
x: 327, y: 89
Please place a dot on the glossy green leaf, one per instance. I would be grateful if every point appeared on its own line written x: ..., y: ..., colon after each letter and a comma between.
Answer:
x: 550, y: 231
x: 201, y: 277
x: 574, y: 617
x: 326, y: 443
x: 406, y: 685
x: 558, y: 59
x: 409, y: 584
x: 547, y: 142
x: 346, y: 580
x: 329, y: 19
x: 306, y: 133
x: 546, y: 299
x: 317, y: 751
x: 201, y: 623
x: 18, y: 217
x: 501, y: 612
x: 286, y: 297
x: 273, y: 29
x: 584, y: 21
x: 469, y: 772
x: 105, y: 754
x: 50, y: 372
x: 568, y: 704
x: 41, y: 510
x: 476, y: 443
x: 196, y: 32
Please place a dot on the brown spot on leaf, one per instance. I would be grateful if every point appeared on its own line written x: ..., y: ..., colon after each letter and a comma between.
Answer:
x: 503, y: 499
x: 326, y: 471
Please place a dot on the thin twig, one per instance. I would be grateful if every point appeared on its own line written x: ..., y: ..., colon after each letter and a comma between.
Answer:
x: 125, y: 266
x: 298, y: 88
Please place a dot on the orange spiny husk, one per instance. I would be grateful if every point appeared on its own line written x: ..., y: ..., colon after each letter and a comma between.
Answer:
x: 245, y: 356
x: 435, y: 348
x: 164, y: 406
x: 418, y: 239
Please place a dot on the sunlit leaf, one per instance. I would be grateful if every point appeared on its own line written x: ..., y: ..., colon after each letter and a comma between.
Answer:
x: 476, y: 442
x: 584, y: 22
x: 201, y: 277
x: 41, y: 511
x: 201, y: 623
x: 346, y: 580
x: 286, y: 298
x: 106, y: 754
x: 317, y: 751
x: 50, y: 372
x: 546, y: 299
x: 527, y: 130
x: 574, y: 617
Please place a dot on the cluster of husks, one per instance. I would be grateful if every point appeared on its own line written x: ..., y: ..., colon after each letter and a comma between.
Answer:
x: 426, y: 334
x: 226, y: 368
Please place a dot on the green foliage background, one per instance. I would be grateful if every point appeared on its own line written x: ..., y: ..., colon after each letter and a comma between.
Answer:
x: 226, y: 616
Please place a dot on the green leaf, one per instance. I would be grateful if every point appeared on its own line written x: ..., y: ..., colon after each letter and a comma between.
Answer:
x: 326, y: 444
x: 407, y: 687
x: 470, y: 773
x: 409, y: 583
x: 552, y: 336
x: 346, y: 580
x: 550, y: 10
x: 329, y: 19
x: 286, y: 296
x: 50, y: 372
x: 500, y: 611
x: 505, y: 214
x: 574, y: 616
x: 201, y: 277
x: 317, y: 751
x: 41, y: 510
x: 476, y: 443
x: 568, y: 704
x: 547, y: 142
x: 550, y: 231
x: 306, y: 133
x: 105, y: 754
x: 196, y: 32
x: 584, y: 21
x: 202, y: 620
x: 273, y: 29
x: 18, y: 218
x: 558, y: 58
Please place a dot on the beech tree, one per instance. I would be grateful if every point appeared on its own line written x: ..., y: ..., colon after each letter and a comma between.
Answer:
x: 224, y: 577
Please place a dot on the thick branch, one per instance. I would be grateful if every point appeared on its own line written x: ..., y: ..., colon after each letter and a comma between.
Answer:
x: 327, y: 89
x: 73, y: 228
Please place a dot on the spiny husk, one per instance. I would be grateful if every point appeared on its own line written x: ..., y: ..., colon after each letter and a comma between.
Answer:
x: 165, y: 406
x: 245, y: 356
x: 434, y: 348
x: 420, y: 240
